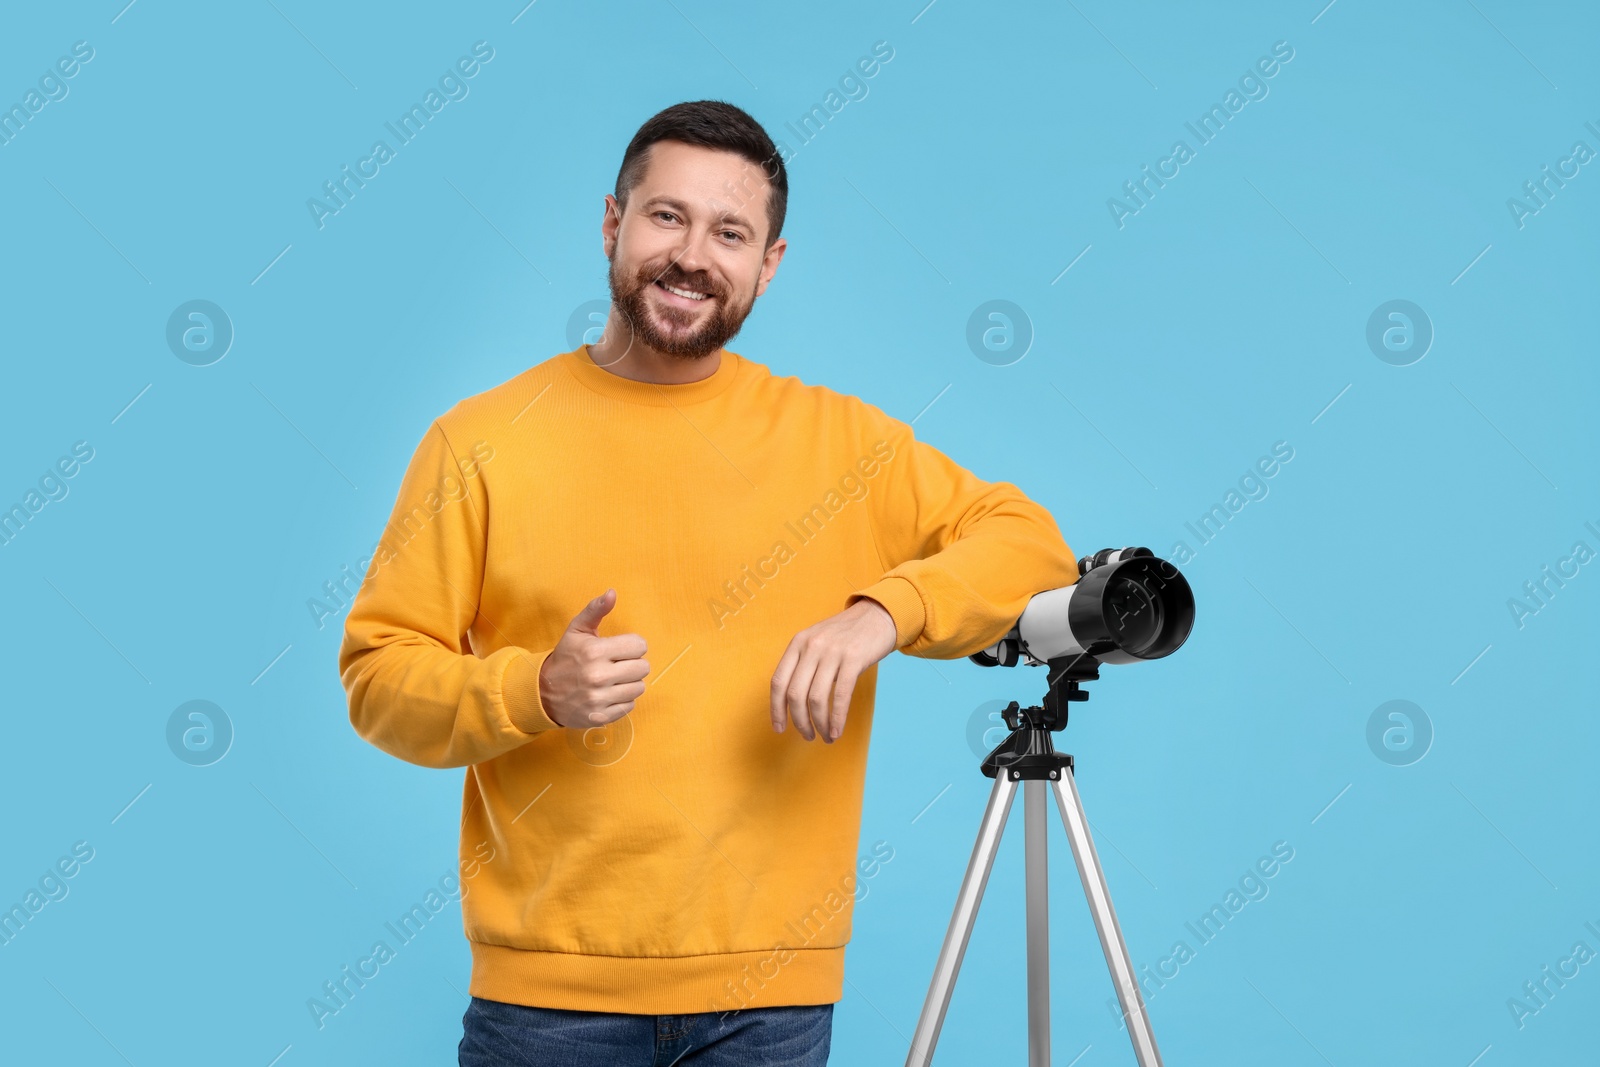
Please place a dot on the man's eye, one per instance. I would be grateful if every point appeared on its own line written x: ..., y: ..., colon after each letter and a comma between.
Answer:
x: 733, y: 235
x: 665, y: 214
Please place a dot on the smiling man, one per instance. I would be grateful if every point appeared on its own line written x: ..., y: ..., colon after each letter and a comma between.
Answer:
x: 611, y: 584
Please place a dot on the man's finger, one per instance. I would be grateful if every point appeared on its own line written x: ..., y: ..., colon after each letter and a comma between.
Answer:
x: 780, y: 683
x: 621, y: 647
x: 821, y: 694
x: 844, y: 688
x: 622, y: 672
x: 588, y: 618
x: 610, y: 714
x: 795, y: 695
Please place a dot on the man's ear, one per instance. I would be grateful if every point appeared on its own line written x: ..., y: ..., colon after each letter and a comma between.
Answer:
x: 609, y: 225
x: 769, y: 264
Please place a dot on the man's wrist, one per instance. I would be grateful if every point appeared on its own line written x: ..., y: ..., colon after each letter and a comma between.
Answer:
x: 900, y: 599
x: 886, y: 620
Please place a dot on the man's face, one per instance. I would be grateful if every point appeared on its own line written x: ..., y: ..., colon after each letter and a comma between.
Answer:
x: 688, y: 255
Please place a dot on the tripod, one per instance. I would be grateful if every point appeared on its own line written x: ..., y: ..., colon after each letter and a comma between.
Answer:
x: 1028, y: 755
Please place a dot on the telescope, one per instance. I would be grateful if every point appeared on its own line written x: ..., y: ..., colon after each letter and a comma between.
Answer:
x: 1127, y: 606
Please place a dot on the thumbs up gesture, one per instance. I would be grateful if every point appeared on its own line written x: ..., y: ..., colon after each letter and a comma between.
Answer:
x: 589, y: 680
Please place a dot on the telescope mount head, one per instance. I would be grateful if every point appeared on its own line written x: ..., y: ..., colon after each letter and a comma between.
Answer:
x: 1028, y: 752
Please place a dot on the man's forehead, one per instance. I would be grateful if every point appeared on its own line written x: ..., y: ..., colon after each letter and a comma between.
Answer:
x: 702, y: 176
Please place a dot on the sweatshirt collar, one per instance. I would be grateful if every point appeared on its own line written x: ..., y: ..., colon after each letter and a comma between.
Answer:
x: 582, y: 367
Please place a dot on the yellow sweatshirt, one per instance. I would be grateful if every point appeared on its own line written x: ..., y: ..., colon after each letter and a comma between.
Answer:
x: 684, y: 858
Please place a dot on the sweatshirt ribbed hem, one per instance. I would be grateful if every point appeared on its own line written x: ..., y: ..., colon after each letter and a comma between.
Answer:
x: 657, y: 985
x: 519, y: 691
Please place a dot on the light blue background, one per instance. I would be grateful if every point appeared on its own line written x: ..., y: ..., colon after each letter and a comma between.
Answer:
x: 1223, y: 317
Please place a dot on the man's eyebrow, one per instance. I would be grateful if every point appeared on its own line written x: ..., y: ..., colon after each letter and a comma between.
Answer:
x: 683, y: 209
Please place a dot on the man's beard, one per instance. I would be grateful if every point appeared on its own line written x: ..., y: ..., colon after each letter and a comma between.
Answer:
x: 719, y: 324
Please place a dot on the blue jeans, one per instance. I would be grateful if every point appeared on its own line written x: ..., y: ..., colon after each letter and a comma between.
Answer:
x: 496, y: 1034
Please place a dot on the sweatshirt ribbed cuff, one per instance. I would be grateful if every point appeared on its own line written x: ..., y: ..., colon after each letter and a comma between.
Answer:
x: 519, y: 689
x: 903, y: 603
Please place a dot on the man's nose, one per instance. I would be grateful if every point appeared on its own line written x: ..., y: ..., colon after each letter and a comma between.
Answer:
x: 692, y: 254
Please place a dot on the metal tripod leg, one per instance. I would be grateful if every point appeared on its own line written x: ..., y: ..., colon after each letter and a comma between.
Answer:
x: 1035, y: 812
x: 1105, y: 921
x: 966, y: 913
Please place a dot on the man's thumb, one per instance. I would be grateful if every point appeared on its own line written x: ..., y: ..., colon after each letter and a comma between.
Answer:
x: 588, y: 620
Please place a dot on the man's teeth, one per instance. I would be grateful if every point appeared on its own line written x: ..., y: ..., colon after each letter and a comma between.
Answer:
x: 682, y: 292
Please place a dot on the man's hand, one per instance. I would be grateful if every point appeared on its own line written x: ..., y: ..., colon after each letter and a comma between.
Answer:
x: 589, y: 680
x: 818, y: 671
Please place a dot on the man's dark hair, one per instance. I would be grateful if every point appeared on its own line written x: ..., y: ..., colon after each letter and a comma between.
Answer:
x: 710, y: 124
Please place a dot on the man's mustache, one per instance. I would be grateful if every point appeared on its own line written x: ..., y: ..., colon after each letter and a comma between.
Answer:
x: 699, y: 282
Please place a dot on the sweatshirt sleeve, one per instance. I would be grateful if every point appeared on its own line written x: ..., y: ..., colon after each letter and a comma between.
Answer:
x: 963, y: 555
x: 416, y: 687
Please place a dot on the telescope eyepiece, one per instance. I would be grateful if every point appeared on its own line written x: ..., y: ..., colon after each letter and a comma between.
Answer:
x: 1109, y: 555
